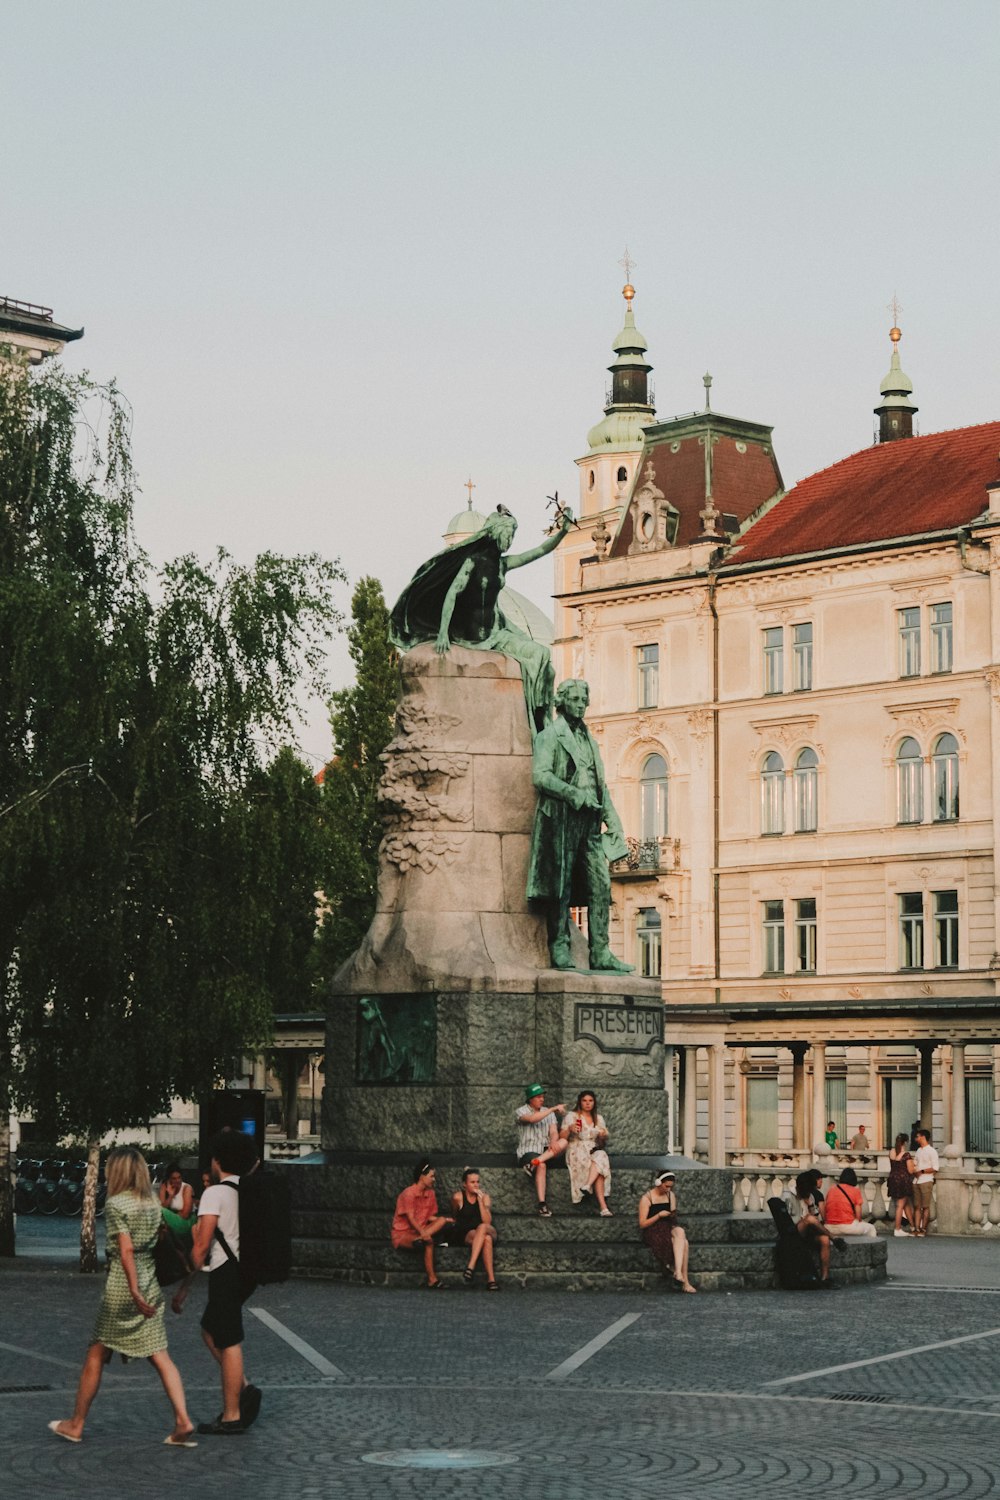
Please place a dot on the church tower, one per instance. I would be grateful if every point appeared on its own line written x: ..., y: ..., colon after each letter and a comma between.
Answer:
x: 895, y: 414
x: 607, y: 469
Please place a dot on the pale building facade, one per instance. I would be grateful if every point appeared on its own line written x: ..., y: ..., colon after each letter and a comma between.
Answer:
x: 797, y: 699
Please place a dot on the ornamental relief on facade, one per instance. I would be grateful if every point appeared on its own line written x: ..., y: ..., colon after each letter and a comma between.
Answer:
x: 784, y: 732
x: 992, y: 676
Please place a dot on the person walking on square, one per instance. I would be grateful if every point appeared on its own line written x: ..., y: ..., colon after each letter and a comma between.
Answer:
x: 900, y: 1183
x: 538, y: 1140
x: 661, y: 1232
x: 216, y: 1252
x: 130, y: 1317
x: 417, y: 1219
x: 927, y: 1164
x: 474, y: 1226
x: 586, y: 1136
x: 844, y: 1204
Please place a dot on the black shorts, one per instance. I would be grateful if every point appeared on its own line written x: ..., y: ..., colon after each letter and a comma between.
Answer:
x: 222, y: 1319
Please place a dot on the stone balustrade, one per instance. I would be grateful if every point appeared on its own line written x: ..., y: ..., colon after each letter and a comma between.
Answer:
x: 967, y: 1194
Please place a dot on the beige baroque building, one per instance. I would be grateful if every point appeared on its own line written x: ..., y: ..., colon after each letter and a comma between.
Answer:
x: 797, y: 698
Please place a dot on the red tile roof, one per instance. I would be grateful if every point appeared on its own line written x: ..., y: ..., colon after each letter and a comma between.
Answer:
x: 741, y: 482
x: 905, y: 488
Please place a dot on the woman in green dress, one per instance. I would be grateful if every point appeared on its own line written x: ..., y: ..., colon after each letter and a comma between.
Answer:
x: 130, y: 1317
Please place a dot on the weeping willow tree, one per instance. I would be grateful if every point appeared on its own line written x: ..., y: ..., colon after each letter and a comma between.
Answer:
x: 139, y: 886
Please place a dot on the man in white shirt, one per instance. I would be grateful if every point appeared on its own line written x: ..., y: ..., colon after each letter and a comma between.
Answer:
x: 216, y: 1250
x: 927, y: 1165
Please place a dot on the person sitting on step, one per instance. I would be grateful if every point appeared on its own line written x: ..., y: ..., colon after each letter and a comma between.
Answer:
x: 474, y: 1226
x: 538, y: 1139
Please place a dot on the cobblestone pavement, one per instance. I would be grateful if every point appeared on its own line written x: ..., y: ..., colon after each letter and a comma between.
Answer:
x: 691, y: 1396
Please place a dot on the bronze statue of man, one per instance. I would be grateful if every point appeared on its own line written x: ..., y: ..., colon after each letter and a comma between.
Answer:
x: 454, y: 599
x: 569, y: 855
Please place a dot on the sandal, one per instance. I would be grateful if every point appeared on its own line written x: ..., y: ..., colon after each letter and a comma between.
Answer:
x: 434, y: 1286
x: 605, y: 1213
x: 467, y: 1274
x: 544, y: 1211
x: 180, y: 1442
x: 492, y: 1286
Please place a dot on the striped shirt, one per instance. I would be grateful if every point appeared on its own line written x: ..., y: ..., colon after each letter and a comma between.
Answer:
x: 532, y: 1135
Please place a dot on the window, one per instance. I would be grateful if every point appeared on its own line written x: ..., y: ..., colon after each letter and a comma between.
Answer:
x: 649, y: 676
x: 911, y: 930
x: 909, y: 782
x: 804, y: 792
x: 805, y: 935
x: 591, y: 480
x: 774, y: 937
x: 940, y: 637
x: 979, y: 1124
x: 909, y: 641
x: 653, y: 798
x: 762, y: 1113
x: 900, y: 1107
x: 622, y: 474
x: 772, y: 794
x: 802, y: 657
x: 648, y: 932
x: 946, y: 929
x: 774, y: 654
x: 944, y: 768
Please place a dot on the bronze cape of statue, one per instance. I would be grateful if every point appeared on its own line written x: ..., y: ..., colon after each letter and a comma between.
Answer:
x: 569, y: 855
x: 454, y: 598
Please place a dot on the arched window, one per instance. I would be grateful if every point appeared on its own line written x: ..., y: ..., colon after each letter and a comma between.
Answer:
x: 590, y: 480
x: 944, y: 766
x: 622, y: 474
x: 909, y: 782
x: 653, y: 798
x: 649, y: 937
x: 772, y: 794
x: 804, y: 792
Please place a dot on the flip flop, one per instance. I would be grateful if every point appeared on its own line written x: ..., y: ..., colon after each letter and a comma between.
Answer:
x: 180, y: 1442
x: 66, y: 1436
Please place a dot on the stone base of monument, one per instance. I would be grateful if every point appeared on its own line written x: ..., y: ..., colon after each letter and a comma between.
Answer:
x: 342, y: 1211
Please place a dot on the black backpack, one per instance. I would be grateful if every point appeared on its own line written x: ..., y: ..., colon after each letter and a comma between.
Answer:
x: 793, y: 1259
x: 265, y: 1229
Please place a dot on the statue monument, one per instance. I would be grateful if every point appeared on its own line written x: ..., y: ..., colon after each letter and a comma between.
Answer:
x: 473, y: 980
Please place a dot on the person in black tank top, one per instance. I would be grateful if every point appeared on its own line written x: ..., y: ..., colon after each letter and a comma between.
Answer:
x: 474, y: 1226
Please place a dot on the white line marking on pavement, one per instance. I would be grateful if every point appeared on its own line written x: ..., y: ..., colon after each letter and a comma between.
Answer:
x: 881, y: 1359
x: 934, y: 1286
x: 317, y: 1360
x: 48, y: 1359
x: 582, y: 1355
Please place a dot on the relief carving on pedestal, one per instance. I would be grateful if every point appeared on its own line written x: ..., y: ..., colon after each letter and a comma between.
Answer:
x: 421, y: 851
x: 416, y: 787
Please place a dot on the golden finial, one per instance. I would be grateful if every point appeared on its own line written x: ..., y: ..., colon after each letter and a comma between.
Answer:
x: 468, y: 485
x: 895, y: 332
x: 628, y: 265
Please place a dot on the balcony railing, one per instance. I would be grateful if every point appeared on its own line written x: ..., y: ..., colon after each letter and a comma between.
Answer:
x: 646, y: 856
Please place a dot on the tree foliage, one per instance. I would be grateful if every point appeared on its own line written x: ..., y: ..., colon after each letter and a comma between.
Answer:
x: 361, y: 718
x: 141, y: 877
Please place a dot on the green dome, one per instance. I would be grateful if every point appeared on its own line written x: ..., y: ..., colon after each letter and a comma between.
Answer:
x: 519, y: 611
x: 630, y: 337
x: 896, y: 382
x: 620, y: 430
x: 466, y: 523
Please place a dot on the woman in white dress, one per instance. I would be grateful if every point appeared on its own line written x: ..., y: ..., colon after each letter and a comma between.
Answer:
x: 586, y: 1136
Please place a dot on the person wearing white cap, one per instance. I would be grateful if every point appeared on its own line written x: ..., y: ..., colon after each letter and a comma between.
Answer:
x: 661, y: 1232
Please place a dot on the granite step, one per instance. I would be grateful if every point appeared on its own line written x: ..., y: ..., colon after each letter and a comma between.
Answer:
x: 576, y: 1225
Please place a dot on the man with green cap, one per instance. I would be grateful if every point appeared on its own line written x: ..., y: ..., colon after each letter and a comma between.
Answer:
x: 538, y: 1139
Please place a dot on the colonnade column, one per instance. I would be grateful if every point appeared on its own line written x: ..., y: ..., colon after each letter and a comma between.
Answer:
x: 690, y: 1132
x: 958, y: 1095
x: 798, y: 1051
x: 670, y: 1096
x: 819, y: 1094
x: 717, y: 1105
x: 926, y: 1108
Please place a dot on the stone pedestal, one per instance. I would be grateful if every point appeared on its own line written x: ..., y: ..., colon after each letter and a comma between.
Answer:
x: 449, y: 1007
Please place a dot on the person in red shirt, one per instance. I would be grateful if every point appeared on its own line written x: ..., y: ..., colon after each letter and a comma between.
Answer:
x: 844, y: 1204
x: 417, y: 1220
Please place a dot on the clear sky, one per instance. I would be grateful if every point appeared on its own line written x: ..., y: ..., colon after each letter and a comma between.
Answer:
x: 342, y: 256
